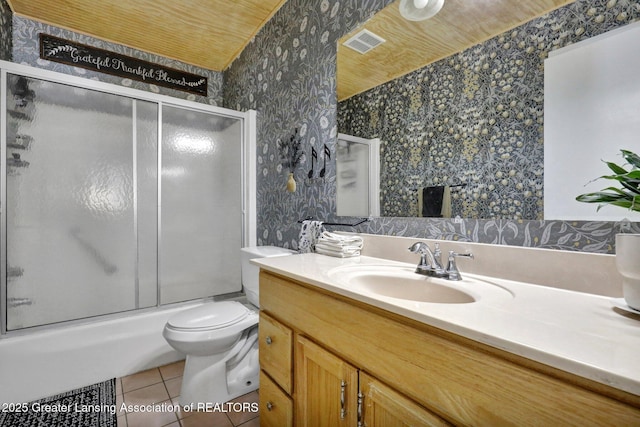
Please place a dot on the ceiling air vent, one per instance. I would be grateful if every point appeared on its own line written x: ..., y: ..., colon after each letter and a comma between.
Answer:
x: 364, y: 41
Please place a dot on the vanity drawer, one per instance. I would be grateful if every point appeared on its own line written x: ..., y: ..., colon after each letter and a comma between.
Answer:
x: 276, y: 408
x: 276, y: 351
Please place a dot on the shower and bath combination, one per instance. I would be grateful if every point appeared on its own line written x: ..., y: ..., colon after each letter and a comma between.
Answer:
x: 119, y: 208
x: 114, y: 200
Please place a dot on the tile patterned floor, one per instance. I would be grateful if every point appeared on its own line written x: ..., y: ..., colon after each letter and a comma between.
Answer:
x: 162, y: 386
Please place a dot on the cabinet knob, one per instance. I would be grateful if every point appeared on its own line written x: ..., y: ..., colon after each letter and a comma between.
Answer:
x: 269, y: 406
x: 268, y: 340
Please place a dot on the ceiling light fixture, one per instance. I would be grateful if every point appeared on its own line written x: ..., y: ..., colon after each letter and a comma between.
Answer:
x: 419, y: 10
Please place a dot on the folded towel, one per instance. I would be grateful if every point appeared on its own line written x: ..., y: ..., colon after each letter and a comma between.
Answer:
x: 340, y: 239
x: 342, y: 253
x: 309, y: 235
x: 339, y: 245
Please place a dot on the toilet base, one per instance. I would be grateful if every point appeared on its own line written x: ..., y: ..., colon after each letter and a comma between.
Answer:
x: 211, y: 379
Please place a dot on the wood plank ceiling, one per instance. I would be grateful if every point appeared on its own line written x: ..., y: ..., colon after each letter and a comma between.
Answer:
x: 412, y: 45
x: 212, y: 33
x: 206, y: 33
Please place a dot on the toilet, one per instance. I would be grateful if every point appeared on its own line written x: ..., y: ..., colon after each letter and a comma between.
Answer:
x: 220, y: 340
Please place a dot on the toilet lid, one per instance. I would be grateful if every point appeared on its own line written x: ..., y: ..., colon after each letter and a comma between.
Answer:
x: 213, y: 315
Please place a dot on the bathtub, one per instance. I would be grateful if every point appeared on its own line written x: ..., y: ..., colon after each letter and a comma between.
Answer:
x: 52, y: 361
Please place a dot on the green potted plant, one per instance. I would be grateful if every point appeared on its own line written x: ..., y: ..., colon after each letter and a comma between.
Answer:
x: 627, y: 245
x: 629, y: 195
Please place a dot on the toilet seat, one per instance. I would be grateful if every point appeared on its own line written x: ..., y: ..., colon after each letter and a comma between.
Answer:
x: 223, y: 332
x: 209, y: 316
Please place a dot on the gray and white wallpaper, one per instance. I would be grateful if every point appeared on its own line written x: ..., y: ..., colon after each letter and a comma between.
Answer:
x: 288, y: 75
x: 5, y: 31
x: 475, y: 118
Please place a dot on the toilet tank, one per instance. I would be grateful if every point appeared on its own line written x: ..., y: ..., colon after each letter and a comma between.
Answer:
x: 251, y: 272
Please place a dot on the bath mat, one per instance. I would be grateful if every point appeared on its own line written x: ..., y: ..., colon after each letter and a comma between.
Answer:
x: 89, y: 406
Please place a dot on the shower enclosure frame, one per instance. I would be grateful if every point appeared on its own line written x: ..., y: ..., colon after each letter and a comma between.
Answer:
x: 248, y: 174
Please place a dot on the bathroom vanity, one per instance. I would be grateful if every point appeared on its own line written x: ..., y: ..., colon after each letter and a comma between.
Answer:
x: 335, y: 353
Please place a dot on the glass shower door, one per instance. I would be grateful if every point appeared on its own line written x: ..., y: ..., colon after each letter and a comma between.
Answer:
x: 81, y: 174
x: 201, y: 212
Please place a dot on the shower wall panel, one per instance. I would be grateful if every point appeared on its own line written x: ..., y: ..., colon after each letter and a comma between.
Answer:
x: 201, y: 214
x: 146, y: 141
x: 71, y: 246
x: 91, y: 227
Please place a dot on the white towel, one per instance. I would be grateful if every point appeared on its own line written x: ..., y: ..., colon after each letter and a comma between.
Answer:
x: 340, y: 253
x: 339, y: 245
x: 309, y: 235
x: 341, y: 239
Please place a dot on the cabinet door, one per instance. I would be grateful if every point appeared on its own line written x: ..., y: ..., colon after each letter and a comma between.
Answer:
x: 276, y: 408
x: 276, y: 350
x: 385, y: 407
x: 326, y: 387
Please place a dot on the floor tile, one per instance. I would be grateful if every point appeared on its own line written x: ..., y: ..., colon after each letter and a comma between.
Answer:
x: 162, y: 386
x: 119, y: 400
x: 244, y: 408
x: 252, y: 423
x: 173, y: 386
x: 147, y: 395
x: 122, y: 421
x: 141, y: 379
x: 172, y: 370
x: 209, y: 419
x: 180, y: 413
x: 152, y: 418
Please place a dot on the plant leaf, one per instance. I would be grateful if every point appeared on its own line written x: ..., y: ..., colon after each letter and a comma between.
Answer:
x: 602, y: 197
x: 627, y: 197
x: 631, y: 157
x: 615, y: 168
x: 631, y: 187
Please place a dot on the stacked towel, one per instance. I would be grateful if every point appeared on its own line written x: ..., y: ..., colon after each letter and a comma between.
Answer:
x: 309, y: 235
x: 339, y: 245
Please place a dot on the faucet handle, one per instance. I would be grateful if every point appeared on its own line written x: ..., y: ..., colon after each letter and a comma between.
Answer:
x: 452, y: 269
x: 437, y: 255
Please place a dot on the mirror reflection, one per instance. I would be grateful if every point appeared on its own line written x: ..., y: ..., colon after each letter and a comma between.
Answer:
x: 460, y: 136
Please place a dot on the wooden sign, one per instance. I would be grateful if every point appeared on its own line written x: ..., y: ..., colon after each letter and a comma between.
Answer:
x: 92, y: 58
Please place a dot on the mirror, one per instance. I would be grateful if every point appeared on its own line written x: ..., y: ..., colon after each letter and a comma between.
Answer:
x: 469, y: 126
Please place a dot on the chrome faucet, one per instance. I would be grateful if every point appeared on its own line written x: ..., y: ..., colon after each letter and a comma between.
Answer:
x: 430, y: 264
x: 452, y: 268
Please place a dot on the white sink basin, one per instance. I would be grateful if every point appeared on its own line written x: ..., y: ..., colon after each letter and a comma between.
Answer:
x: 403, y: 283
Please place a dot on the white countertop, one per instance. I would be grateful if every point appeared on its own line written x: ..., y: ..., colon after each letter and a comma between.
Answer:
x: 576, y: 332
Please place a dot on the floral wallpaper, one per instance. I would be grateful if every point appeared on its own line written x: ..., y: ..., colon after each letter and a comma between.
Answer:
x: 26, y: 51
x: 5, y: 31
x: 475, y: 118
x: 483, y: 110
x: 287, y: 73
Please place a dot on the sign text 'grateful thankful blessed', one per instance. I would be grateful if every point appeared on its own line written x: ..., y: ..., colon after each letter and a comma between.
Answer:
x: 92, y: 58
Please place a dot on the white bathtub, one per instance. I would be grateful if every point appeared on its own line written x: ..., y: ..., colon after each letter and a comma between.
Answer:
x: 53, y: 361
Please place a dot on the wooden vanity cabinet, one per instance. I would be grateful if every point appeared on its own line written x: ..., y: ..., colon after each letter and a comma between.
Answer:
x: 276, y: 364
x: 385, y: 407
x: 276, y: 407
x: 405, y: 373
x: 326, y: 387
